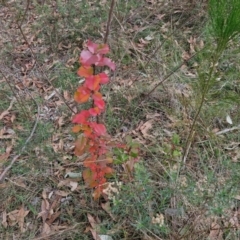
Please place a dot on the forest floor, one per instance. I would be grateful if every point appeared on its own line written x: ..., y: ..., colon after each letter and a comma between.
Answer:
x: 152, y: 97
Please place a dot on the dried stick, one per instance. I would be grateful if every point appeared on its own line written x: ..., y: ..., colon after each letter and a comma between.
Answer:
x: 228, y: 130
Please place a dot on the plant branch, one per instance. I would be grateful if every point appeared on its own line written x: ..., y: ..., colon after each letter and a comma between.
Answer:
x: 109, y: 21
x: 204, y: 93
x: 167, y: 76
x: 25, y: 12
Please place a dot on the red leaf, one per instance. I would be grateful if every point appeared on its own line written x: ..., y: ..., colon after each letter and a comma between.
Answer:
x: 81, y: 117
x: 85, y: 71
x: 82, y: 95
x: 98, y: 128
x: 92, y: 83
x: 97, y: 48
x: 80, y: 146
x: 108, y: 170
x: 87, y: 58
x: 90, y: 178
x: 94, y: 111
x: 77, y: 128
x: 87, y: 176
x: 97, y: 193
x: 99, y: 103
x: 85, y: 128
x: 88, y: 132
x: 103, y: 78
x: 90, y: 162
x: 97, y: 95
x: 103, y: 61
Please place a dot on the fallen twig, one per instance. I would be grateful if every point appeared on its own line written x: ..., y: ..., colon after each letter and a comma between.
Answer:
x: 228, y: 130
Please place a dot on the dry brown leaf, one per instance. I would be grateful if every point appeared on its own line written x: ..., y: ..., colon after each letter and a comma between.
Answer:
x: 95, y: 235
x: 65, y: 182
x: 53, y: 218
x: 12, y: 217
x: 215, y: 232
x: 237, y: 197
x: 106, y: 206
x: 13, y: 117
x: 4, y: 185
x: 4, y: 219
x: 61, y: 121
x: 45, y: 209
x: 73, y: 185
x: 92, y: 221
x: 22, y: 213
x: 7, y: 133
x: 233, y: 221
x: 58, y: 227
x: 5, y: 155
x: 144, y: 128
x: 94, y: 227
x: 44, y: 194
x: 20, y: 182
x: 61, y: 193
x: 67, y: 96
x: 56, y: 202
x: 3, y: 114
x: 6, y: 112
x: 45, y: 229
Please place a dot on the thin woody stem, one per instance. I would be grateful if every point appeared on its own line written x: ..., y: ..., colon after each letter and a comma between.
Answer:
x: 109, y: 21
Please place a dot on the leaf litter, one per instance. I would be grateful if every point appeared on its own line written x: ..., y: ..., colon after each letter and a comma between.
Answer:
x: 52, y: 200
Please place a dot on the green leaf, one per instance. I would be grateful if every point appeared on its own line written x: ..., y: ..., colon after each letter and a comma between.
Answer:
x: 175, y: 139
x: 176, y: 153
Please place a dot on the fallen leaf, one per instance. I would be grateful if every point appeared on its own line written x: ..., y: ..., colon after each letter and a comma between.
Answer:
x: 7, y: 133
x: 12, y: 217
x: 4, y: 219
x: 45, y: 229
x: 92, y: 221
x: 6, y: 112
x: 53, y: 218
x: 45, y: 208
x: 65, y: 182
x: 106, y: 206
x: 93, y: 228
x: 229, y: 120
x: 73, y: 185
x: 22, y: 213
x: 105, y: 237
x: 61, y: 193
x: 3, y: 114
x: 215, y: 232
x: 237, y: 197
x: 44, y: 194
x: 95, y: 235
x: 20, y: 182
x: 144, y: 128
